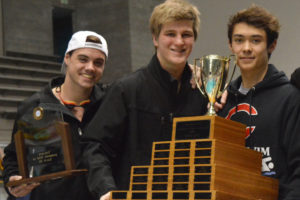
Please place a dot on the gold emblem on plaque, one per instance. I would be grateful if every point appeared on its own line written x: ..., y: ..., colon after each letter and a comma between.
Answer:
x: 38, y: 113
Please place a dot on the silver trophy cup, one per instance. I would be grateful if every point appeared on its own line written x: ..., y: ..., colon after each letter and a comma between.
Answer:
x: 210, y: 77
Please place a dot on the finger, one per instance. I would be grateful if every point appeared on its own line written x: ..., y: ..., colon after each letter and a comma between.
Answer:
x: 208, y: 105
x: 198, y: 76
x: 22, y: 190
x: 105, y: 196
x: 32, y: 186
x: 191, y: 67
x: 15, y: 178
x: 218, y: 106
x: 17, y: 190
x: 193, y: 83
x: 224, y: 97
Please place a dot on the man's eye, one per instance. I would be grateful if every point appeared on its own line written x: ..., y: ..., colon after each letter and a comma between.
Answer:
x: 187, y: 35
x: 170, y: 34
x: 256, y: 41
x: 238, y: 40
x: 98, y: 64
x: 83, y: 60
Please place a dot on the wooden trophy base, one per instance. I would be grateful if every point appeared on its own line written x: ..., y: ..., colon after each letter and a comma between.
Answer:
x: 47, y: 177
x: 205, y: 160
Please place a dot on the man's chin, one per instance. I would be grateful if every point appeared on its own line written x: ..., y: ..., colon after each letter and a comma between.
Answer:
x: 87, y: 85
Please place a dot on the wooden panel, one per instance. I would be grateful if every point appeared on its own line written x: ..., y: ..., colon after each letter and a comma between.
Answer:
x: 235, y: 156
x: 218, y: 195
x: 220, y: 128
x: 240, y: 182
x: 47, y: 177
x: 205, y: 151
x: 182, y: 178
x: 192, y: 195
x: 20, y: 151
x: 63, y: 130
x: 228, y: 130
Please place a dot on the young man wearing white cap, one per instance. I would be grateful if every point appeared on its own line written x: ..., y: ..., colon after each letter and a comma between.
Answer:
x: 76, y: 96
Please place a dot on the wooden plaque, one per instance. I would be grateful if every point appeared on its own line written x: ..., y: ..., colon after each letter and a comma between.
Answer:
x: 40, y: 162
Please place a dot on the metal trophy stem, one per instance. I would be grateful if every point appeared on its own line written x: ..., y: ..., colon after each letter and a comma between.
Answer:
x: 210, y: 77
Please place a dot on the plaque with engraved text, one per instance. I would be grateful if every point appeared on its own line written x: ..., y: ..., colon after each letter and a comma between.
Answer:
x: 44, y: 147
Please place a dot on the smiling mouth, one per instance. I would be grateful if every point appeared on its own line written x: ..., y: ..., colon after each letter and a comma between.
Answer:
x: 87, y: 76
x: 178, y: 51
x: 247, y: 58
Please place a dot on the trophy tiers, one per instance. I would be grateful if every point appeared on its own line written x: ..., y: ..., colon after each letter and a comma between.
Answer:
x: 206, y: 160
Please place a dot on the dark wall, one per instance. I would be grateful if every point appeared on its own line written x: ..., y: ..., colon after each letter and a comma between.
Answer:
x: 111, y: 20
x: 29, y: 29
x: 28, y: 26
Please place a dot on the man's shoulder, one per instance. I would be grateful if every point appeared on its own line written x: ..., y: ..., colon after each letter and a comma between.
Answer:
x: 289, y: 89
x: 30, y: 102
x: 287, y: 95
x: 134, y: 78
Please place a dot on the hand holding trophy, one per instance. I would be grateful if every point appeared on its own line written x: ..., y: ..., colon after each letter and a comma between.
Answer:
x: 213, y: 70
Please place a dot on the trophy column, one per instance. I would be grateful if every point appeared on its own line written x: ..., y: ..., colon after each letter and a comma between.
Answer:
x: 206, y: 160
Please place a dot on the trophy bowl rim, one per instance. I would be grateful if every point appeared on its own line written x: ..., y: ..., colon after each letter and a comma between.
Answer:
x: 215, y: 56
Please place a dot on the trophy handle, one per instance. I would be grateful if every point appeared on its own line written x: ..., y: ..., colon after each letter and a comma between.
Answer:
x: 225, y: 85
x: 196, y: 76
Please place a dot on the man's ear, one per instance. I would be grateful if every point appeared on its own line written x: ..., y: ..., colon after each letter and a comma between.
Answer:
x: 154, y: 39
x: 272, y: 47
x: 67, y: 58
x: 230, y: 45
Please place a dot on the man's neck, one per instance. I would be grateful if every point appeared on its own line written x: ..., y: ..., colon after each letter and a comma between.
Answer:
x: 251, y: 78
x: 175, y: 72
x: 72, y: 92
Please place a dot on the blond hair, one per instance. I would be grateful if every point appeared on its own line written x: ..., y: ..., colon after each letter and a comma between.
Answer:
x: 174, y: 10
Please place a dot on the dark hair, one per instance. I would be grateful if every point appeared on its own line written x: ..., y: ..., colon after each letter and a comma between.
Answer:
x: 258, y: 17
x: 90, y: 38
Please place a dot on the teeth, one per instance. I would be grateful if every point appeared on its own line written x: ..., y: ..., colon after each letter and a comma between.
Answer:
x: 87, y: 76
x: 179, y: 51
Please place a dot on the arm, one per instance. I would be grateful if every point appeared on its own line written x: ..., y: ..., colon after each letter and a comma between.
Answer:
x: 291, y: 145
x: 295, y: 78
x: 103, y: 138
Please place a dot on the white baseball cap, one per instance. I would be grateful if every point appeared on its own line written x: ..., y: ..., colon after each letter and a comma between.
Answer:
x: 78, y: 41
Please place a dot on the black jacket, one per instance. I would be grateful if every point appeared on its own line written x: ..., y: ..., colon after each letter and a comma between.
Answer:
x: 295, y: 78
x: 66, y: 188
x: 137, y: 110
x: 271, y: 110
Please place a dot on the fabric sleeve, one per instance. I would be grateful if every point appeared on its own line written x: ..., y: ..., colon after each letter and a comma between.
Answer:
x: 291, y: 144
x: 295, y: 78
x: 103, y: 138
x: 10, y: 162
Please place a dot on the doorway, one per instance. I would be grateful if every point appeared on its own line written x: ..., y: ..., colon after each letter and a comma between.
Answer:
x: 62, y: 30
